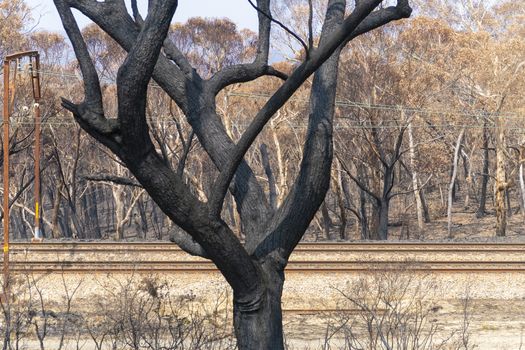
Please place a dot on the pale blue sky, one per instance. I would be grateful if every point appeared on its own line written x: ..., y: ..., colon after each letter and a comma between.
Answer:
x: 239, y: 11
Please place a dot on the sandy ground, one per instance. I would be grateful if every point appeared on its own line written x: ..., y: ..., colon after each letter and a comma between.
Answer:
x: 496, y: 313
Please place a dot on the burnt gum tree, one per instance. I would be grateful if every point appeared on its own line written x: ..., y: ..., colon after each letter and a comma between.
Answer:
x: 255, y: 268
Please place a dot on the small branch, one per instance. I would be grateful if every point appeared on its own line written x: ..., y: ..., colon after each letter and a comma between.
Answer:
x: 185, y: 153
x: 107, y: 131
x: 242, y: 73
x: 119, y: 180
x: 381, y: 17
x: 357, y: 181
x: 289, y: 31
x: 187, y: 243
x: 173, y: 53
x: 310, y: 25
x: 412, y: 190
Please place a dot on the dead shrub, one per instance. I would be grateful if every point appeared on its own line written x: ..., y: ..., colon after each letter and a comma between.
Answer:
x: 393, y: 310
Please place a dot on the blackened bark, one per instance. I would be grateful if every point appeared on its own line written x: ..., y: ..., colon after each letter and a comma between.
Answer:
x: 254, y: 271
x: 91, y: 201
x: 485, y: 173
x: 382, y: 230
x: 363, y: 216
x: 272, y: 187
x: 384, y: 204
x: 262, y: 328
x: 426, y: 213
x: 342, y: 209
x: 327, y: 222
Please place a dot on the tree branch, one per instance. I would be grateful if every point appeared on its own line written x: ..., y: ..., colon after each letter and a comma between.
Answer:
x: 119, y: 180
x: 266, y: 13
x: 187, y: 243
x: 310, y: 25
x: 93, y: 94
x: 279, y: 98
x: 357, y: 181
x: 390, y: 196
x: 106, y: 131
x: 241, y: 73
x: 173, y: 53
x: 381, y: 17
x: 90, y: 113
x: 166, y: 187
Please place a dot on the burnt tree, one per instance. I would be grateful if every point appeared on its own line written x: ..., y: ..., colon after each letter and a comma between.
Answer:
x: 255, y: 269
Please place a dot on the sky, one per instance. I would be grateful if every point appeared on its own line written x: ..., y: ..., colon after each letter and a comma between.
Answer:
x: 239, y: 11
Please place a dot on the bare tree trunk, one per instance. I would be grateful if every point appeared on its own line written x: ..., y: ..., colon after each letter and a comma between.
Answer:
x: 468, y: 177
x: 383, y: 203
x: 509, y: 205
x: 383, y: 219
x: 340, y: 201
x: 55, y: 232
x: 522, y: 191
x: 327, y: 222
x: 485, y: 173
x: 501, y: 181
x: 426, y: 214
x: 415, y: 181
x: 262, y: 328
x: 118, y: 199
x: 363, y: 216
x: 281, y: 166
x: 453, y: 181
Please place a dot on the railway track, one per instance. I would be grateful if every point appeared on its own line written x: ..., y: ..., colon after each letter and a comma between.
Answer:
x: 154, y: 257
x: 164, y: 245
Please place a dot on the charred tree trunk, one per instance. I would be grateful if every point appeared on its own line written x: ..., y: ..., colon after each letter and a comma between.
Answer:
x: 426, y: 213
x: 55, y: 232
x: 363, y: 216
x: 327, y: 222
x: 384, y: 206
x: 262, y: 328
x: 384, y: 203
x: 254, y: 268
x: 485, y: 173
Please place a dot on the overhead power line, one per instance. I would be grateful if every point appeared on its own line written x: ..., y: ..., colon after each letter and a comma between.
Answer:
x: 350, y: 122
x: 339, y: 103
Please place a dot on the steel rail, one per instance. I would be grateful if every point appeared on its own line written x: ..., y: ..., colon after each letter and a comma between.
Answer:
x: 147, y: 246
x: 294, y: 266
x: 26, y: 257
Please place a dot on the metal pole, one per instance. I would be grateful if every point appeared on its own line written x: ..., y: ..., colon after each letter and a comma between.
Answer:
x: 6, y: 176
x: 36, y: 96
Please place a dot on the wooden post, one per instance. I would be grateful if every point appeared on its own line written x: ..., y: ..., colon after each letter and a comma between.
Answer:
x: 6, y: 175
x: 35, y: 81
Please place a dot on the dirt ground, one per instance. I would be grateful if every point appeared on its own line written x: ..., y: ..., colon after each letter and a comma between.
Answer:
x: 495, y: 319
x: 495, y: 313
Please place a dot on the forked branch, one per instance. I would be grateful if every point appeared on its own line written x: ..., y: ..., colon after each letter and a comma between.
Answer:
x: 360, y: 21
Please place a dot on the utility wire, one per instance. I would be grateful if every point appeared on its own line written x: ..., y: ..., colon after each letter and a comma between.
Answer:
x: 339, y: 103
x: 478, y: 114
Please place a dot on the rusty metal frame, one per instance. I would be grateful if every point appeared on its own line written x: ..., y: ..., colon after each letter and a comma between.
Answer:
x: 35, y: 82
